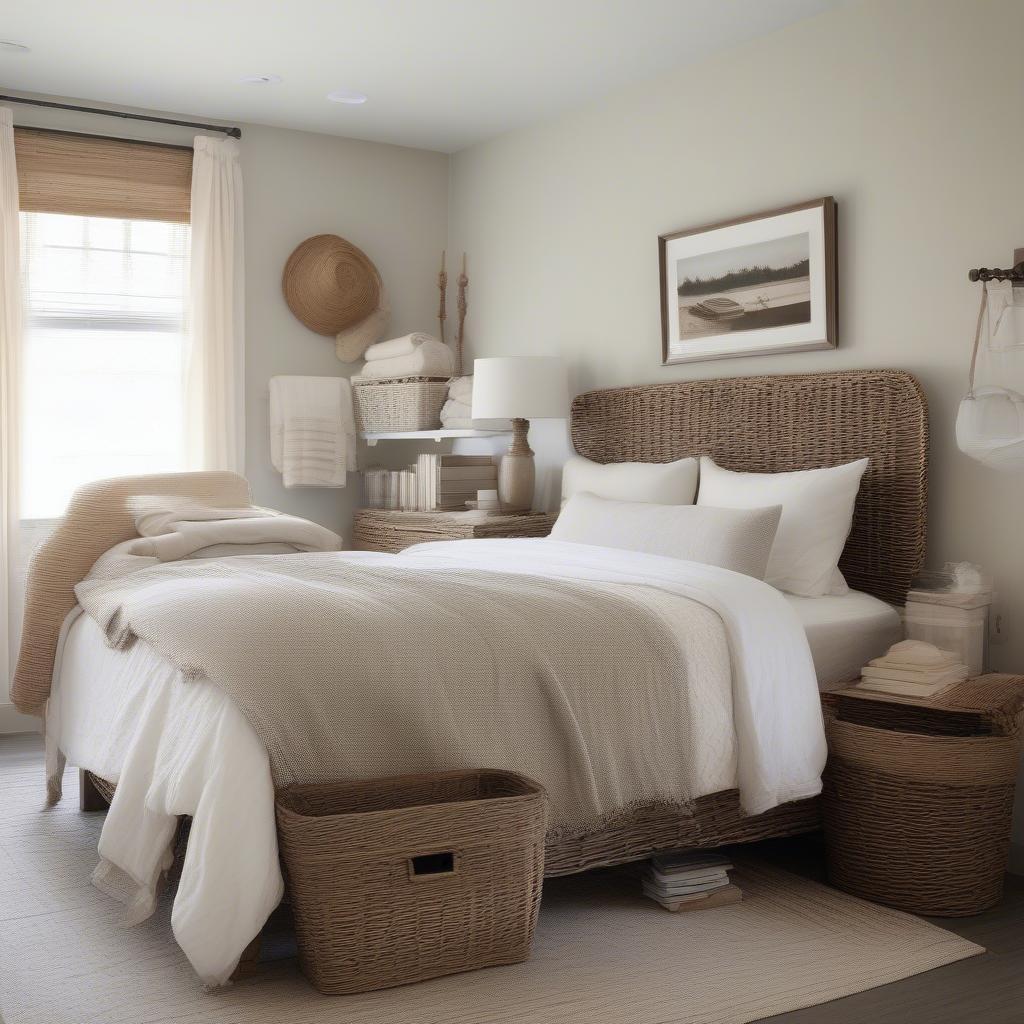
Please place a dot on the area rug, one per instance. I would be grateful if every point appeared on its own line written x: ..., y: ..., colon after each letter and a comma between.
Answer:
x: 603, y: 954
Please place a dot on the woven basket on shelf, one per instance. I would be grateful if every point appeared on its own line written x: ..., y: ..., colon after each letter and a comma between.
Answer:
x: 398, y: 880
x: 409, y: 403
x: 919, y: 822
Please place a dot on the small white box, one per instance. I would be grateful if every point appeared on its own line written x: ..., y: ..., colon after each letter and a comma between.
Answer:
x: 953, y: 622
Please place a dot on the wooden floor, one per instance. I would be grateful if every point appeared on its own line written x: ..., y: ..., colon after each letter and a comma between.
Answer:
x: 986, y: 989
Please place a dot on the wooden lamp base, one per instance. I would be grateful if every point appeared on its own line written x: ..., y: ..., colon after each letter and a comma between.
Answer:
x: 516, y: 473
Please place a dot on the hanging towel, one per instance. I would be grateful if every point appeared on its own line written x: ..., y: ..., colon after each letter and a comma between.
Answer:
x: 431, y: 358
x: 404, y: 346
x: 312, y: 430
x: 1005, y: 316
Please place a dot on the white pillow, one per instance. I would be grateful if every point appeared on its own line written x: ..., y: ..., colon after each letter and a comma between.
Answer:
x: 663, y: 483
x: 817, y: 511
x: 736, y: 539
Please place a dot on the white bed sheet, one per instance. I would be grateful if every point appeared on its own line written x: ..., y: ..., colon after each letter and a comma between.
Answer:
x: 845, y: 633
x: 173, y: 747
x: 182, y: 747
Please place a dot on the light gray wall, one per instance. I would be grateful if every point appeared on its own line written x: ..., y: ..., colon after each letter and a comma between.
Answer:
x: 887, y: 106
x: 389, y: 200
x: 907, y: 112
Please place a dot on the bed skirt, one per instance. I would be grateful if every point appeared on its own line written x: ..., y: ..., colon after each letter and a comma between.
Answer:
x: 717, y: 820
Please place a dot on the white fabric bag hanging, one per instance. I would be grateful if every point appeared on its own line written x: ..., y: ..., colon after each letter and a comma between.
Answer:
x: 990, y: 422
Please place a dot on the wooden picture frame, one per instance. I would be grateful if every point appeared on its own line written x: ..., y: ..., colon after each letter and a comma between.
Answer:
x: 755, y: 285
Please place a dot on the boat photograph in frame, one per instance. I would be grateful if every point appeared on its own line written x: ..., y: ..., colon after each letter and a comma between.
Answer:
x: 751, y: 286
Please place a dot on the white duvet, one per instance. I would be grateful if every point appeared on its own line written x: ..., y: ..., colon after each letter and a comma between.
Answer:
x: 177, y: 747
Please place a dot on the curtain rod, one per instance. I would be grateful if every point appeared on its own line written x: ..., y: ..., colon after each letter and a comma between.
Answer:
x: 102, y: 138
x: 234, y: 133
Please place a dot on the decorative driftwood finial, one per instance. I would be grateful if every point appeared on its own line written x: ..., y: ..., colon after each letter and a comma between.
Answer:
x: 461, y: 305
x: 442, y: 286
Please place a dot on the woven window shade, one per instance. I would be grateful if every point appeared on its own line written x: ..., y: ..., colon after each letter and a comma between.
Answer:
x: 97, y: 177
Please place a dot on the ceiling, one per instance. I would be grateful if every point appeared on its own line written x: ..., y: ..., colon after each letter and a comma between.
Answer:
x: 438, y: 74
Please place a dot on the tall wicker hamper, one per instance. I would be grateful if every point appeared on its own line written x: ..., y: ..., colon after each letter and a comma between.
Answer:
x: 398, y: 880
x: 917, y: 816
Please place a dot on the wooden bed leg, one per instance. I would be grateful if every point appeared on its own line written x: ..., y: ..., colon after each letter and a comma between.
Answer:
x: 89, y: 797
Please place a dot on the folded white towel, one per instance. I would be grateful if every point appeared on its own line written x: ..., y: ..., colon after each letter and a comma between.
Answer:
x: 950, y: 674
x: 915, y: 654
x: 190, y: 535
x: 458, y: 416
x: 461, y: 389
x: 312, y: 430
x: 393, y: 347
x: 456, y: 408
x: 429, y: 359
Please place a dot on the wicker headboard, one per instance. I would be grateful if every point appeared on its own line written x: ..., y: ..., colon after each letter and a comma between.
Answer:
x: 98, y: 516
x: 774, y: 424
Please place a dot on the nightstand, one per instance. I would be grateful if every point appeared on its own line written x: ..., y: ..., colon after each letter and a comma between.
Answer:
x: 918, y: 795
x: 386, y: 530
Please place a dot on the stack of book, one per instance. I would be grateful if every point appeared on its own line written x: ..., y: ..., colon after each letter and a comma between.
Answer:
x: 445, y: 483
x: 391, y: 488
x: 914, y: 668
x: 690, y: 881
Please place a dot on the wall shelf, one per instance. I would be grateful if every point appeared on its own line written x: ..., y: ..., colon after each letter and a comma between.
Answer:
x: 372, y: 437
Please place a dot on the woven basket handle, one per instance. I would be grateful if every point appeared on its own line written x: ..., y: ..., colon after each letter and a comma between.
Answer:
x: 434, y: 866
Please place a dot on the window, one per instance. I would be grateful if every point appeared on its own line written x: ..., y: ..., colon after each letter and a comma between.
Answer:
x: 104, y: 351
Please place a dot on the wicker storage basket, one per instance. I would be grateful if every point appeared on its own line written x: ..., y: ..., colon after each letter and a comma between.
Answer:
x: 411, y: 403
x: 398, y: 880
x: 919, y: 822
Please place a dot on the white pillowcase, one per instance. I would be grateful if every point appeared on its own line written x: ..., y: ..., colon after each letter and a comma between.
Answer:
x: 736, y: 539
x: 817, y: 512
x: 663, y: 483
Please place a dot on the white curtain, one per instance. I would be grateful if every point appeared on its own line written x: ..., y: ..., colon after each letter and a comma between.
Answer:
x: 215, y: 410
x: 10, y: 344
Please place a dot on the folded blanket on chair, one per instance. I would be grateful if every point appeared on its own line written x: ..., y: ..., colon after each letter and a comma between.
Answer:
x: 181, y: 538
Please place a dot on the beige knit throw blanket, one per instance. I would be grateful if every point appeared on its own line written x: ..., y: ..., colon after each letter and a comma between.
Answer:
x: 352, y: 668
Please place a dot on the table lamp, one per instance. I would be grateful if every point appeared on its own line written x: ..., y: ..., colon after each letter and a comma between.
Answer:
x: 520, y: 389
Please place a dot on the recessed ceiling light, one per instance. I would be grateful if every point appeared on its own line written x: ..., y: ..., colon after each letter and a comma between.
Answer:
x: 261, y: 79
x: 346, y: 96
x: 8, y: 47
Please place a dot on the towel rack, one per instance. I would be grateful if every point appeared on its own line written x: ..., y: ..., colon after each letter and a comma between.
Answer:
x: 1014, y: 274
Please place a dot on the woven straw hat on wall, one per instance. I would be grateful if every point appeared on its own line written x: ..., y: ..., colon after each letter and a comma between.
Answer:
x: 331, y: 285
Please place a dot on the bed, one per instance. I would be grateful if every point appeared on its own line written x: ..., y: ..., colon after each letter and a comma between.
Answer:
x: 766, y: 424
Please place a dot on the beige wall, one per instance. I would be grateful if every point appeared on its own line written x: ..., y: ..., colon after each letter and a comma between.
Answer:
x: 885, y: 105
x: 390, y: 201
x: 889, y: 106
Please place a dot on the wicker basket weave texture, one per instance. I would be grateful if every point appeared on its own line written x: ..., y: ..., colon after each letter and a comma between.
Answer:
x: 919, y: 822
x: 392, y: 531
x: 413, y: 403
x: 783, y: 423
x: 366, y: 918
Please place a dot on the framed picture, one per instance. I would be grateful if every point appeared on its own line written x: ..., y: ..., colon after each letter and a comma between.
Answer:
x: 751, y: 286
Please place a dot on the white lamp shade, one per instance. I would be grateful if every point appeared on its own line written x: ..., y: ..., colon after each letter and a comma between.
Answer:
x: 520, y: 387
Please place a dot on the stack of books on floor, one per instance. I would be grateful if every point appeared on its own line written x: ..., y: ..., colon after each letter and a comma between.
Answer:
x: 913, y: 668
x: 446, y: 482
x: 690, y: 881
